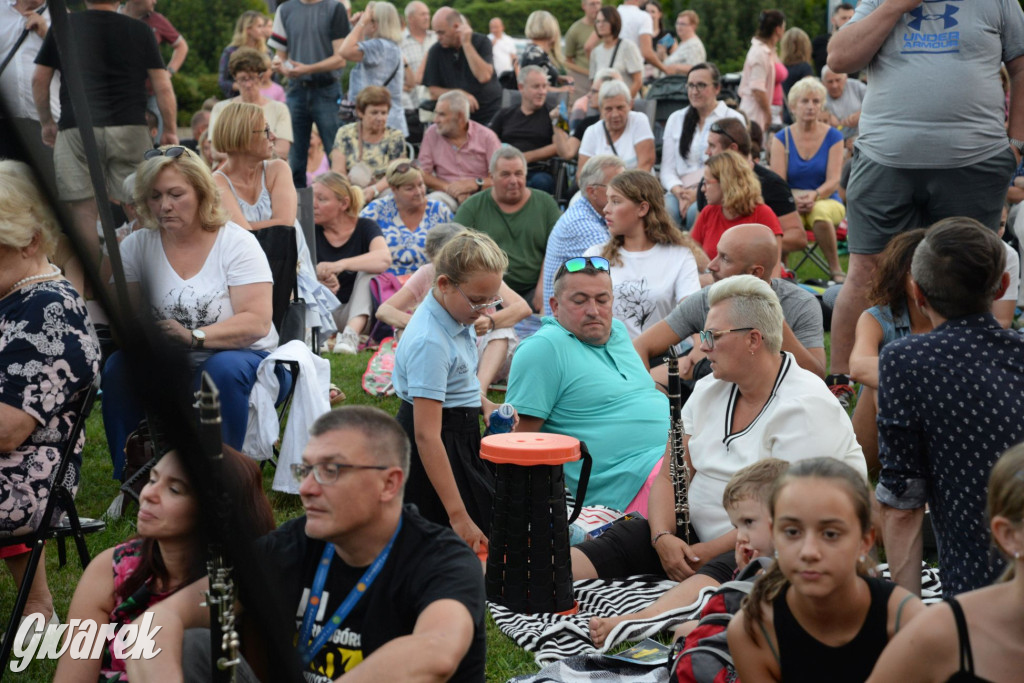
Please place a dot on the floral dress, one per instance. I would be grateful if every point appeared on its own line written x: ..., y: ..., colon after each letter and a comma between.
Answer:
x: 127, y: 558
x: 49, y: 354
x: 407, y: 246
x: 376, y: 155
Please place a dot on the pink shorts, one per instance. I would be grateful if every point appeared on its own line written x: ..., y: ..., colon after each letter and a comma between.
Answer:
x: 639, y: 503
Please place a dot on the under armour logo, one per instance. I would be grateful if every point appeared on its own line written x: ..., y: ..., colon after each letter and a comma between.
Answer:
x: 919, y: 16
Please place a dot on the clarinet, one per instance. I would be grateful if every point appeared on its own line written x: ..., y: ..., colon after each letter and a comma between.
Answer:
x: 678, y: 469
x: 220, y: 598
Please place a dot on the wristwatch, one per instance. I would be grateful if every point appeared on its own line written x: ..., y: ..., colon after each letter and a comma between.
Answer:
x: 479, y: 184
x: 1017, y: 145
x: 198, y: 339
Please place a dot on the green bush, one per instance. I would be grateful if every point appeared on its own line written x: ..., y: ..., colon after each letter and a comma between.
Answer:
x: 207, y: 26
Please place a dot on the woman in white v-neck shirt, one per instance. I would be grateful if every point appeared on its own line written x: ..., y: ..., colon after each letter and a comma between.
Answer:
x: 208, y: 285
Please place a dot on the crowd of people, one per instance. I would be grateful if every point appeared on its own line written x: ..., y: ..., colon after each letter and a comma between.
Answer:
x: 540, y: 225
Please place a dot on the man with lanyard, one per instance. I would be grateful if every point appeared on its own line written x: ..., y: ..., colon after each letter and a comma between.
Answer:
x: 377, y: 592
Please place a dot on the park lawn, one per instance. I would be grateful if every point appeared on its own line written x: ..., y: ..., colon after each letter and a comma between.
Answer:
x: 504, y: 658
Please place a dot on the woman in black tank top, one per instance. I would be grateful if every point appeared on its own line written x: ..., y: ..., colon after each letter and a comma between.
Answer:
x: 813, y: 616
x: 976, y: 636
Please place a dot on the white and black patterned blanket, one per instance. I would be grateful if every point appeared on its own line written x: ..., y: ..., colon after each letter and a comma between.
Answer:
x: 554, y: 638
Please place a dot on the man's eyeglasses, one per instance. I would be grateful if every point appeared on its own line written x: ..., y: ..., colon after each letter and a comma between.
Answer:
x: 479, y: 307
x: 171, y: 152
x: 265, y: 130
x: 709, y: 336
x: 328, y: 472
x: 716, y: 128
x: 575, y: 265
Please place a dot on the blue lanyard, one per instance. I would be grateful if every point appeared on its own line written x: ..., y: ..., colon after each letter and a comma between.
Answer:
x: 309, y: 650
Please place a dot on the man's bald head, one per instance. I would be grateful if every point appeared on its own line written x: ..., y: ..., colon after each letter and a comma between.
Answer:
x: 749, y: 248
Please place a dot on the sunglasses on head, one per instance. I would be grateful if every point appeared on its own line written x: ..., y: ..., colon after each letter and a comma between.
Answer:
x: 171, y: 152
x: 716, y: 128
x: 579, y: 263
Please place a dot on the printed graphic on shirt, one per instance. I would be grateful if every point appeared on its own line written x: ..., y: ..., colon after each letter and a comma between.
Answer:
x: 633, y: 301
x: 340, y: 654
x: 930, y: 28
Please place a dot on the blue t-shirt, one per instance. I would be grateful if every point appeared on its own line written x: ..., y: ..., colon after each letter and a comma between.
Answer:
x: 437, y: 359
x: 603, y: 396
x: 808, y: 174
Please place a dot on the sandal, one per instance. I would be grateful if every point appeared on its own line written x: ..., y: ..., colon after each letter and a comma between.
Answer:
x: 336, y: 395
x: 839, y: 277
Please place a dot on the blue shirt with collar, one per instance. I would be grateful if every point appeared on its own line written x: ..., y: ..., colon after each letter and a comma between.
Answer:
x: 949, y: 404
x: 578, y: 229
x: 602, y: 395
x: 437, y: 358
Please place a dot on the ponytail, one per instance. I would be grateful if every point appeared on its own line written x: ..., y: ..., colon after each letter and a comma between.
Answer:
x: 767, y: 587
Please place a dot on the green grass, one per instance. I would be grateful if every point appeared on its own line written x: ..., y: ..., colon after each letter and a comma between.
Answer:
x: 504, y: 658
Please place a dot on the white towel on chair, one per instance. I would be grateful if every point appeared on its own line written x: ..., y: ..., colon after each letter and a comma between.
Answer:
x: 309, y: 402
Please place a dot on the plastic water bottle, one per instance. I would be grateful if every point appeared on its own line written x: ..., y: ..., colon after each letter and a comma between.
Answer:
x: 502, y: 419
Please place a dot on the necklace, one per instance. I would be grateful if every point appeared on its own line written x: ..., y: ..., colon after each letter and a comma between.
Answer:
x: 54, y: 271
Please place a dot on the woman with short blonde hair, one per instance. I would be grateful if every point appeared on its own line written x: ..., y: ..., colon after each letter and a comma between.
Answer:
x: 545, y: 49
x: 372, y: 45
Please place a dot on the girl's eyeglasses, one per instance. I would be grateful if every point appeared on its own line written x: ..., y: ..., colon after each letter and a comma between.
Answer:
x: 479, y: 307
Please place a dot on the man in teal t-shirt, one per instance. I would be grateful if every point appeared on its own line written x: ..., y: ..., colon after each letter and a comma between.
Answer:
x: 579, y: 375
x: 518, y: 218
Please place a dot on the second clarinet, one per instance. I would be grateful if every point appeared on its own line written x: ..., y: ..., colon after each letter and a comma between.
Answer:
x: 679, y: 470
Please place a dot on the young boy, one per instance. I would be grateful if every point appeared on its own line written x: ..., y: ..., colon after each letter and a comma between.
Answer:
x: 746, y: 500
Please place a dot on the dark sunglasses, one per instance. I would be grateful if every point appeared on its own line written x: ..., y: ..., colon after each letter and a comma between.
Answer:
x: 171, y: 152
x: 575, y: 265
x: 715, y: 128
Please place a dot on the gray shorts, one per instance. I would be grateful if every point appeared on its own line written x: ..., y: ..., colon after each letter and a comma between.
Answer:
x: 882, y: 202
x: 120, y: 149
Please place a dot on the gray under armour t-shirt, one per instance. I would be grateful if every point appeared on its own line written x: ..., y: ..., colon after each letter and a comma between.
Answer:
x: 934, y: 99
x: 799, y: 307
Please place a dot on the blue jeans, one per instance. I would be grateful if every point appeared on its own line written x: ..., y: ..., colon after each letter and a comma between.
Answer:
x: 682, y: 222
x: 309, y: 105
x: 541, y: 180
x: 234, y: 373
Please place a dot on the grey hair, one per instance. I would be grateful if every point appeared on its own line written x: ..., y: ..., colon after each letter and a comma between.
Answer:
x: 458, y: 102
x: 128, y: 188
x: 613, y: 89
x: 593, y: 170
x: 530, y: 69
x: 387, y: 440
x: 412, y: 6
x: 438, y: 236
x: 754, y: 304
x: 607, y: 74
x: 506, y: 151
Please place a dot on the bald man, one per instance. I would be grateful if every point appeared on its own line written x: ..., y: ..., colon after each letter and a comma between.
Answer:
x: 750, y: 249
x: 462, y: 60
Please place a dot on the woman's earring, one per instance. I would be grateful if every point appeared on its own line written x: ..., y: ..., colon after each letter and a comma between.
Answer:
x: 1016, y: 555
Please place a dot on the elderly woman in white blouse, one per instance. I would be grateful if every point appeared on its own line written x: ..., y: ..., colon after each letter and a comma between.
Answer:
x: 621, y: 131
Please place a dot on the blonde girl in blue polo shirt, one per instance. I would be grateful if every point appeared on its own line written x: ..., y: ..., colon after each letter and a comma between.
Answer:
x: 435, y: 376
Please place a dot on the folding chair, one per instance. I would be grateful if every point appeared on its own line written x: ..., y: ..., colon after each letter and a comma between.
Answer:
x: 813, y: 253
x: 60, y: 498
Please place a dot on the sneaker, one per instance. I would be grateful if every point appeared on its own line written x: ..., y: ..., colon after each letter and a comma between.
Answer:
x: 347, y: 342
x: 841, y: 388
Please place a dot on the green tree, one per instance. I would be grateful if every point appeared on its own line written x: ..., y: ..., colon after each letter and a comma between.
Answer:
x: 207, y: 26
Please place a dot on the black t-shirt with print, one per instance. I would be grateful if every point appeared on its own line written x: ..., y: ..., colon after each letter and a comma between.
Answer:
x: 427, y: 563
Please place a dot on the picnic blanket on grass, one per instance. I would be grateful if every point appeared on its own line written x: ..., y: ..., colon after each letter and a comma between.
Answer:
x: 554, y: 638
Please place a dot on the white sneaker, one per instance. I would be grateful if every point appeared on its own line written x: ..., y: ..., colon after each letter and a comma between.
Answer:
x: 347, y: 342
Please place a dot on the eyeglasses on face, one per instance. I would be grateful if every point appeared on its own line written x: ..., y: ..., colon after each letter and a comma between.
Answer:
x: 716, y: 128
x: 709, y: 336
x: 327, y: 472
x: 171, y: 152
x: 698, y: 86
x: 265, y: 130
x: 479, y: 307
